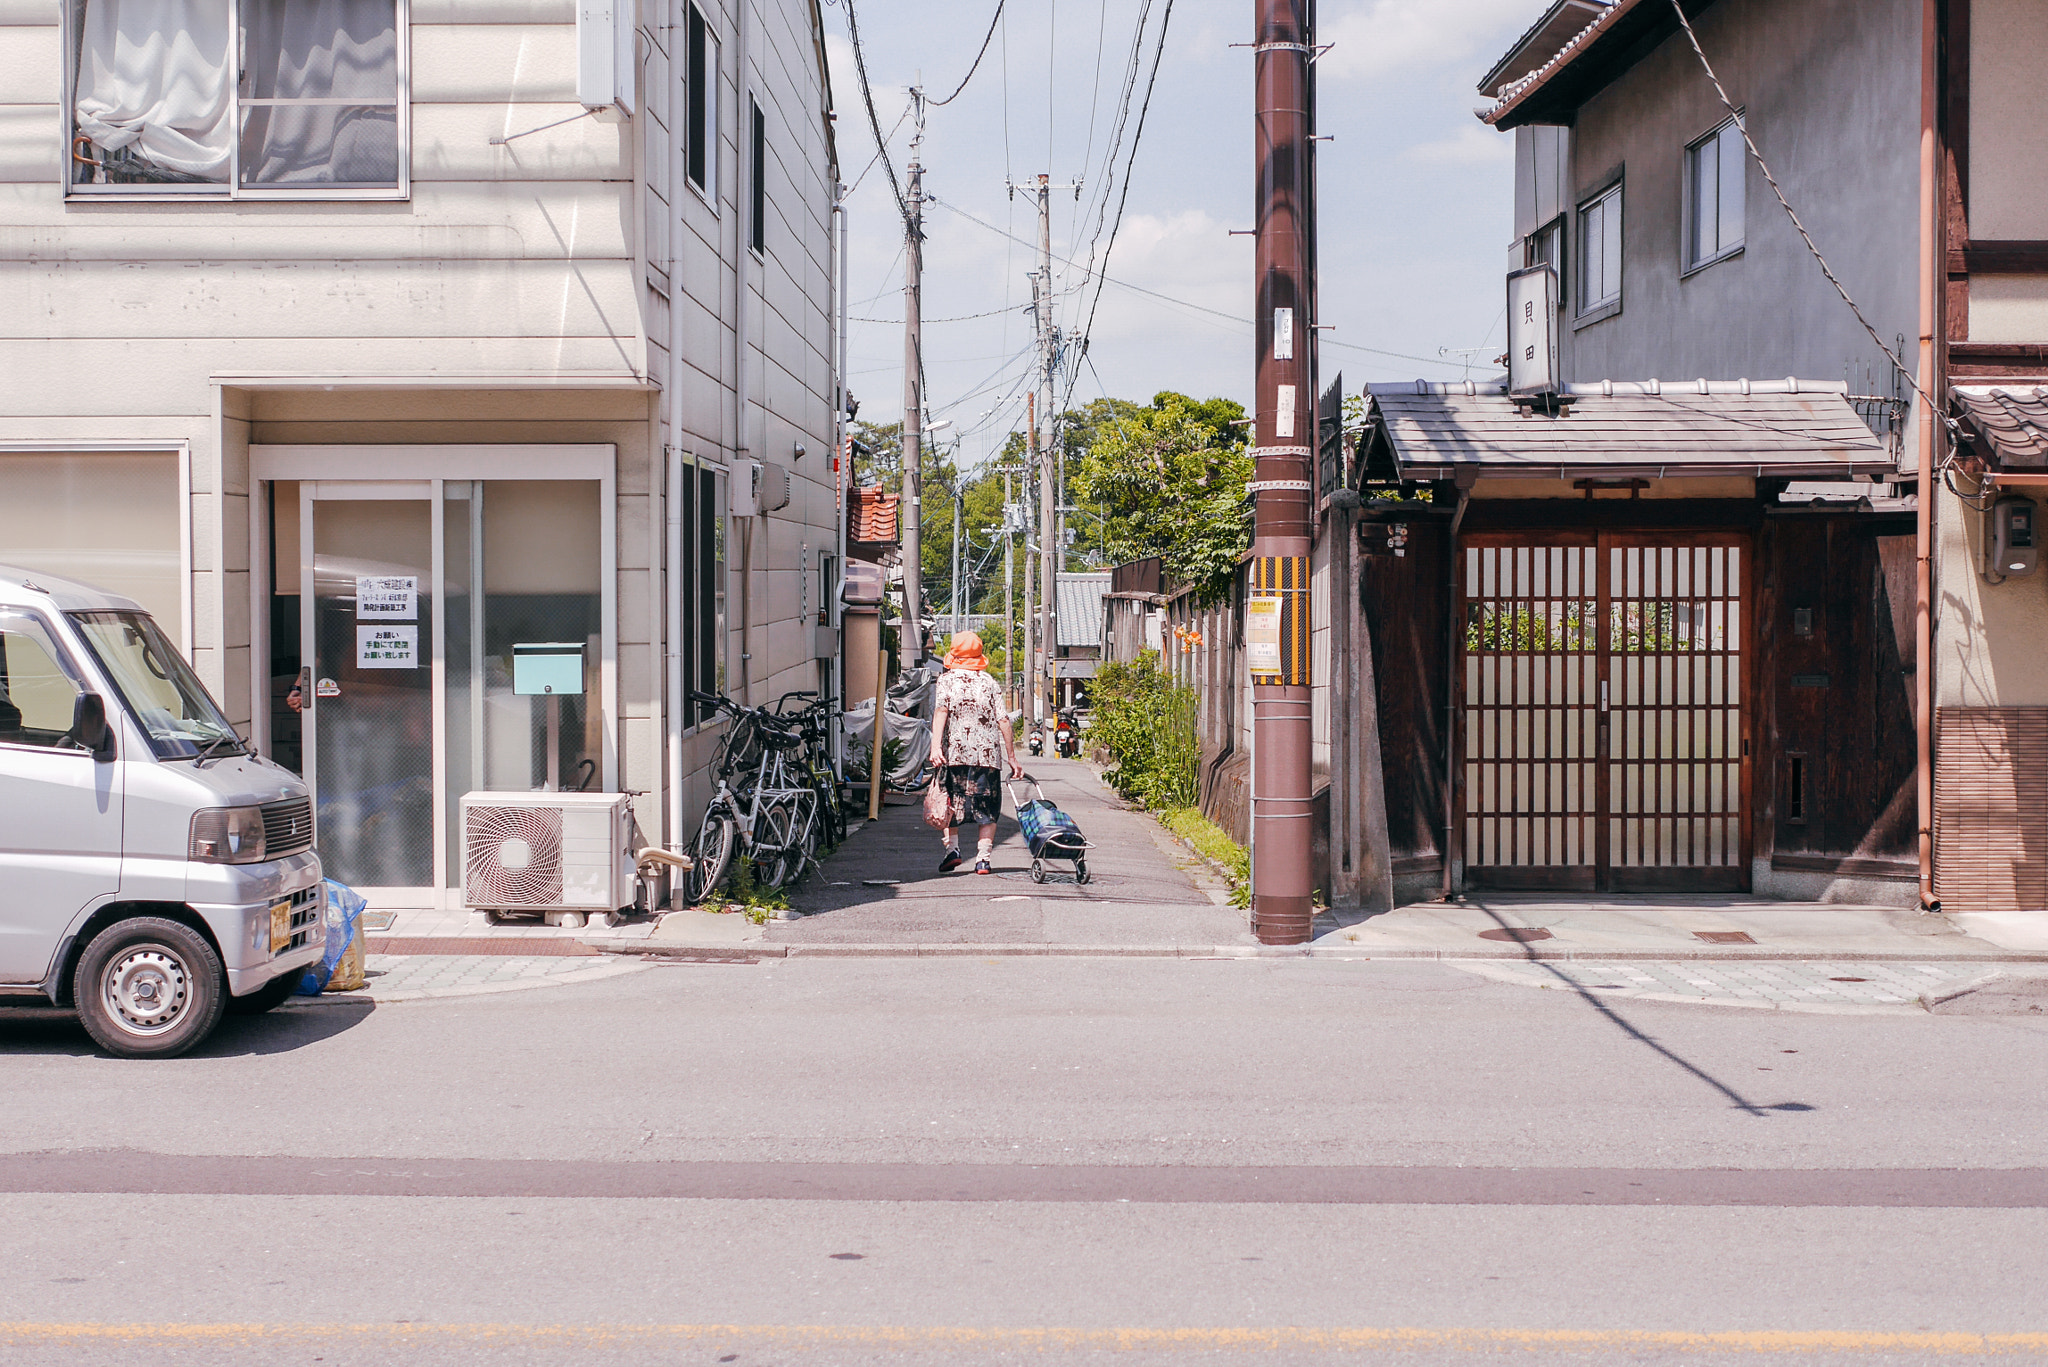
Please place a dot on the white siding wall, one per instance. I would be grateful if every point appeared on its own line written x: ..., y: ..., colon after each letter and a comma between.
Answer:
x: 573, y: 251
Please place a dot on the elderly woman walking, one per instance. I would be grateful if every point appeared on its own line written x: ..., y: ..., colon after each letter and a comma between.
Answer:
x: 972, y: 739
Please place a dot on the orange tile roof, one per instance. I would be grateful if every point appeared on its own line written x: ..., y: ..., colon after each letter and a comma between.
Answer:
x: 871, y: 517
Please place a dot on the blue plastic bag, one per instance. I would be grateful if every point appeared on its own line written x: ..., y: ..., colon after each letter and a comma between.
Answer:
x: 344, y: 913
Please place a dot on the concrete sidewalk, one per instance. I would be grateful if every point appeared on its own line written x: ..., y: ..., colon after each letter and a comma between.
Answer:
x: 1728, y: 927
x: 881, y: 892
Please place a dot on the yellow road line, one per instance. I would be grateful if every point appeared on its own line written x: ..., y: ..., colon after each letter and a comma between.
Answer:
x: 24, y: 1333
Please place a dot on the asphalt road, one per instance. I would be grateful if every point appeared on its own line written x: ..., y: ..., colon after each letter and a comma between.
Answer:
x: 1029, y: 1160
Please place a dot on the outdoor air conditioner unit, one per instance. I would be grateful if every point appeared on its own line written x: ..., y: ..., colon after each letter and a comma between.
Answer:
x: 547, y: 851
x: 759, y: 486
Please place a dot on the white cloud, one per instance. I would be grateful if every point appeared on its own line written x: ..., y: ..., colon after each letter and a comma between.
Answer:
x: 1476, y: 145
x: 1387, y: 37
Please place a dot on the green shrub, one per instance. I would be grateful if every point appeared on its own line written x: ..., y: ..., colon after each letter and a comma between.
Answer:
x: 1146, y: 721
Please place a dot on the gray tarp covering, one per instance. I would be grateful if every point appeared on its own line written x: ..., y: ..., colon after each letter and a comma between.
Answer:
x: 914, y: 732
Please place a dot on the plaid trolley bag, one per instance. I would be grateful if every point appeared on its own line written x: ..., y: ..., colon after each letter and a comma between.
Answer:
x: 1051, y: 834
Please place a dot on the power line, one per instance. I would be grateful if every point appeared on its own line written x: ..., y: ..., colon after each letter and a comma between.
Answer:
x: 1742, y: 127
x: 878, y: 153
x: 867, y: 96
x: 993, y: 20
x: 1183, y: 303
x: 959, y: 319
x: 1137, y: 136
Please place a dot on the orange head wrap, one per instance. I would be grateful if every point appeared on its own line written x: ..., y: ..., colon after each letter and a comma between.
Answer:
x: 965, y: 652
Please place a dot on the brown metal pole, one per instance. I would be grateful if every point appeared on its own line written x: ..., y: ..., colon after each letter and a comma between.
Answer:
x: 1283, y: 520
x: 1927, y: 445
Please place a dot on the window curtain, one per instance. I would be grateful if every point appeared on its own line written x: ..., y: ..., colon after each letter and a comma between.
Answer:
x: 327, y: 53
x: 153, y: 77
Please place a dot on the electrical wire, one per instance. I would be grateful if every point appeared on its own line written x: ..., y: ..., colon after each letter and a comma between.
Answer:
x: 878, y: 153
x: 1742, y: 127
x: 1137, y: 136
x: 993, y: 20
x: 961, y: 318
x: 867, y: 96
x: 1183, y: 303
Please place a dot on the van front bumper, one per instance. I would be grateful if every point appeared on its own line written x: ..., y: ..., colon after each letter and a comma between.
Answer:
x: 241, y: 922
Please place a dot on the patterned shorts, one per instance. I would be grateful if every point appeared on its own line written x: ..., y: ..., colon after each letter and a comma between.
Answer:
x: 977, y: 793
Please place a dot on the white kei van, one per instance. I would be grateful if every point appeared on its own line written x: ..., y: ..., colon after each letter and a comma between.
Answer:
x: 153, y: 872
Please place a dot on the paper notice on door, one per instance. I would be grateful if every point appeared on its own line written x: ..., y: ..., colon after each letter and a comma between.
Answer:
x: 387, y: 647
x: 388, y: 598
x: 1262, y: 634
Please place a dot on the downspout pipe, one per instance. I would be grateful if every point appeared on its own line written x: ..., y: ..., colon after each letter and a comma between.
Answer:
x: 842, y: 462
x: 1451, y: 627
x: 1925, y: 444
x: 742, y: 196
x: 673, y: 493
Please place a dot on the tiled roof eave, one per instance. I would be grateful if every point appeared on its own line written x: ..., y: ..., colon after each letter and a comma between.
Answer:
x: 1519, y: 92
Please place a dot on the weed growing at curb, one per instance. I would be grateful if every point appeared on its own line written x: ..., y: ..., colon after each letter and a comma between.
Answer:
x: 1214, y: 844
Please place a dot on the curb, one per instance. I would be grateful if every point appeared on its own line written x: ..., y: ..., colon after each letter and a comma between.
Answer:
x: 827, y: 950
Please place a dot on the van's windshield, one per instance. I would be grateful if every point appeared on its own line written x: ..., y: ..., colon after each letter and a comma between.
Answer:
x: 158, y: 686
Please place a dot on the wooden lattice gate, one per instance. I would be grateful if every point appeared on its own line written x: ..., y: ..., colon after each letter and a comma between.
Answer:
x: 1605, y: 711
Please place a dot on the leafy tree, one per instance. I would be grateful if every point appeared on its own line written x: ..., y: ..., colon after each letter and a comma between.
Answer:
x: 1172, y: 478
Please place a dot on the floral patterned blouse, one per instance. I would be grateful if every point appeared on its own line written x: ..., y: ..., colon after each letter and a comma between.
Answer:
x: 973, y: 703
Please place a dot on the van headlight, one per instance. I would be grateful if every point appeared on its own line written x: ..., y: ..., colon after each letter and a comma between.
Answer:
x: 228, y: 835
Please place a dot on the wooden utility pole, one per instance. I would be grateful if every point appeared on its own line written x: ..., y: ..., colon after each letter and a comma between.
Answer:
x: 1032, y: 624
x: 1009, y: 598
x: 1043, y: 454
x: 1283, y: 486
x: 913, y: 399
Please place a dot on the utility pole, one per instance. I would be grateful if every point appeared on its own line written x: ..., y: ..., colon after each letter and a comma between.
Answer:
x: 1277, y: 616
x: 1048, y: 499
x: 1031, y: 619
x: 913, y: 399
x: 955, y: 491
x: 1009, y: 604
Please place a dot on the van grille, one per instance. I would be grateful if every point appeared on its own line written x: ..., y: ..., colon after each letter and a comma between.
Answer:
x: 287, y: 827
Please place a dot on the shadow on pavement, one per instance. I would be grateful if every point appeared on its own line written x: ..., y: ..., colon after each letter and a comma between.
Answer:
x: 55, y: 1031
x: 1643, y: 1037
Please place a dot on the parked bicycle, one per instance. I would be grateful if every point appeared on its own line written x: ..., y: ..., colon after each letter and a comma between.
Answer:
x: 771, y: 798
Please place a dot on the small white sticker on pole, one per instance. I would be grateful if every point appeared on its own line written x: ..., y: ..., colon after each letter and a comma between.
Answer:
x: 1262, y: 634
x: 1283, y: 334
x: 1283, y: 410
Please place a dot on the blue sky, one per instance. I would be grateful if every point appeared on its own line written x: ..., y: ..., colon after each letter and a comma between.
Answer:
x: 1416, y: 195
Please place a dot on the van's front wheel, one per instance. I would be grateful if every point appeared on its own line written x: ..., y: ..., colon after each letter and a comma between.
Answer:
x: 149, y: 988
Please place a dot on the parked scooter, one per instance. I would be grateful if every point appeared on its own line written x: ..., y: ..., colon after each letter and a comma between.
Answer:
x: 1067, y: 737
x: 1035, y: 740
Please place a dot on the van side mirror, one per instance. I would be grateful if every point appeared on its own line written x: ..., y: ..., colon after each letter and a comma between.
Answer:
x: 89, y: 724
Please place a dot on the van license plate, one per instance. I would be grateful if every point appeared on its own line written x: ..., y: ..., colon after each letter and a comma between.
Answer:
x: 280, y: 925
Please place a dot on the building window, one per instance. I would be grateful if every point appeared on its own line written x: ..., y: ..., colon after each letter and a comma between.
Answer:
x: 1600, y: 252
x: 1714, y: 173
x: 281, y: 99
x: 700, y: 131
x: 1545, y: 247
x: 758, y: 179
x: 703, y: 634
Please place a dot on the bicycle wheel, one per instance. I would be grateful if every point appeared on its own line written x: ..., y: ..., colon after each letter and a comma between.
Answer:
x: 776, y: 856
x: 831, y: 818
x: 710, y: 856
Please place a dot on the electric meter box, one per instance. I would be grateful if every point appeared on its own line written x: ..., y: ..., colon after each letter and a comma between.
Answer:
x: 543, y: 667
x: 2015, y: 543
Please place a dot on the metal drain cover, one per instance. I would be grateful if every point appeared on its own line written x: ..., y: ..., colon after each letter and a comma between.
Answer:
x: 1724, y: 937
x: 1516, y: 934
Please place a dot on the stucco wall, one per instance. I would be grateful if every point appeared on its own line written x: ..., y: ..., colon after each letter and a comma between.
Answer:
x: 1988, y: 637
x: 569, y: 251
x: 2008, y: 108
x: 1830, y: 90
